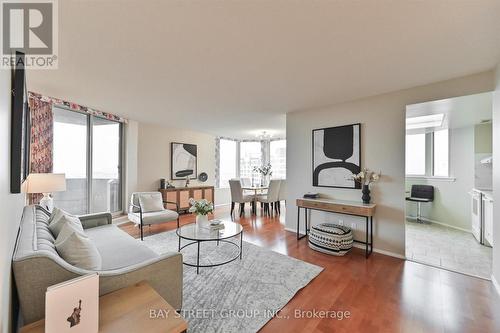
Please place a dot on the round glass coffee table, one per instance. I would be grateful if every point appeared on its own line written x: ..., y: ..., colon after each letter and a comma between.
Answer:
x: 197, y: 235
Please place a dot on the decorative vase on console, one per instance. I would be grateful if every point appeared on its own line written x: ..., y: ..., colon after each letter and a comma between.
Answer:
x: 201, y: 208
x: 365, y: 178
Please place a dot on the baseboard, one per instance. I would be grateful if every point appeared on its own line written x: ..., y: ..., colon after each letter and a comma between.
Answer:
x: 495, y: 284
x: 441, y: 223
x: 362, y: 246
x: 121, y: 220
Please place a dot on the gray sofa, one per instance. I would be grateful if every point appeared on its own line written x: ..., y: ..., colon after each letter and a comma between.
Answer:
x: 125, y: 261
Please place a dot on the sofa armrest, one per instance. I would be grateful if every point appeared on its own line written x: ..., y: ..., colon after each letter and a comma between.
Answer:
x: 163, y: 273
x: 95, y: 220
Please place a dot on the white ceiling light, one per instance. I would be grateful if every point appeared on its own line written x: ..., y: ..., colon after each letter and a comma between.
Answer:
x: 433, y: 120
x: 264, y: 135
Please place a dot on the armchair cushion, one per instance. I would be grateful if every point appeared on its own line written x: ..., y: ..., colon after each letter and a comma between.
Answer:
x: 154, y: 217
x: 151, y: 202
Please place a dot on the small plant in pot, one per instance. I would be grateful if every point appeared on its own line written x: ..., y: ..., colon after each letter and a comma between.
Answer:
x: 366, y: 177
x: 201, y: 208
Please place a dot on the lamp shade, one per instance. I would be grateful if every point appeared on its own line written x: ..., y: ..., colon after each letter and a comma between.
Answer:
x: 44, y: 183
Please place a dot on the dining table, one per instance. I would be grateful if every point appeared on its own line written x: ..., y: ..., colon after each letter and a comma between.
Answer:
x: 256, y: 190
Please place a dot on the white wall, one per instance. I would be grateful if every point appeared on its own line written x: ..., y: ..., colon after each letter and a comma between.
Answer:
x: 451, y: 204
x: 383, y: 148
x: 496, y: 178
x: 11, y: 205
x: 153, y: 156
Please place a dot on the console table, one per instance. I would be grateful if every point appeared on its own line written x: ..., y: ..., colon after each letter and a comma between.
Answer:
x: 352, y: 208
x: 181, y: 195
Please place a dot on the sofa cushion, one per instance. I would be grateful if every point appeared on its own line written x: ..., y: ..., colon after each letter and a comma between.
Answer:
x: 151, y: 202
x: 117, y: 248
x: 56, y: 225
x: 77, y: 249
x: 67, y: 230
x: 154, y: 217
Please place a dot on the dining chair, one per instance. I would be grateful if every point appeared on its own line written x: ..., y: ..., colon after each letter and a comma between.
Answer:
x: 281, y: 195
x: 271, y: 197
x: 237, y: 196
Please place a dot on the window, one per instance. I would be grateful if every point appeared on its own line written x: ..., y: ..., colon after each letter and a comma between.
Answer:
x: 227, y: 162
x: 277, y: 158
x: 440, y: 156
x: 250, y: 157
x: 93, y: 176
x: 238, y: 158
x: 70, y: 157
x: 427, y: 154
x: 415, y: 154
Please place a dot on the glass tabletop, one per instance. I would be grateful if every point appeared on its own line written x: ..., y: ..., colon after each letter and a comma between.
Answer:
x: 194, y: 232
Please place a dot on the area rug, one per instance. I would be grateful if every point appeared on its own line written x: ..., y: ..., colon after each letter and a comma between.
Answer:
x: 241, y: 296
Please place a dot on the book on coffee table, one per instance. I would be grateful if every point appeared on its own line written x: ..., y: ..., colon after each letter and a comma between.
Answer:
x: 73, y: 306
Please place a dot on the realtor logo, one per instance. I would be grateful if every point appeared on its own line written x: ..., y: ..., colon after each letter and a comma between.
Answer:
x: 29, y: 27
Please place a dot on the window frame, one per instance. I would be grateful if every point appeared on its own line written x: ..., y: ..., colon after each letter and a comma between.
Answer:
x: 429, y: 158
x: 89, y: 158
x: 265, y: 155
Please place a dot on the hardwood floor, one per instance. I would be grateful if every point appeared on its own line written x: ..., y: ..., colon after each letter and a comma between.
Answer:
x: 382, y: 294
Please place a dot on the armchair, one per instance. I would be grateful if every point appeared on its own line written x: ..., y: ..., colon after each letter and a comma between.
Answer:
x: 147, y: 208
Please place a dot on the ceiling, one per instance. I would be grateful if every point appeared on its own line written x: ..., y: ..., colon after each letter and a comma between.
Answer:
x: 458, y: 112
x: 235, y: 68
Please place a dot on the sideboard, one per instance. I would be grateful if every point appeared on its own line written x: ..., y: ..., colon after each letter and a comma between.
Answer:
x: 181, y: 195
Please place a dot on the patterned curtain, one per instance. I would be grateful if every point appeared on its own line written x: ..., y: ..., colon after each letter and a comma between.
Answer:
x: 41, y: 144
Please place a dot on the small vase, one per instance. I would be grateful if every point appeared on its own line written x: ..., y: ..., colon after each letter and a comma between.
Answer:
x: 264, y: 180
x: 202, y: 221
x: 366, y: 194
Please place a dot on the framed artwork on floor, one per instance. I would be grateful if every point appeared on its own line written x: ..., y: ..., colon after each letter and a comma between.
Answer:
x: 336, y: 155
x: 183, y: 161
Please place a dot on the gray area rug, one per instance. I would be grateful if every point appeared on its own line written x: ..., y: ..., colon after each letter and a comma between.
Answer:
x: 241, y: 296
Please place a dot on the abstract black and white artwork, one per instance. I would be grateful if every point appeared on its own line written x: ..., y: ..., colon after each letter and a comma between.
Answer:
x: 336, y: 156
x: 183, y: 161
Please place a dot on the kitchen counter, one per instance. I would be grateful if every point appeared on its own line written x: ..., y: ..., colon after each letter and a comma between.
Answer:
x: 488, y: 193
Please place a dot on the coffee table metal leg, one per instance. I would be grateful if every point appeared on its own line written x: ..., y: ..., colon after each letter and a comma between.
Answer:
x: 179, y: 244
x: 241, y: 244
x: 198, y: 260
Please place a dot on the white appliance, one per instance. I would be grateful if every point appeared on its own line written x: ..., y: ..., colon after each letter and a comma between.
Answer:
x: 477, y: 215
x: 488, y: 218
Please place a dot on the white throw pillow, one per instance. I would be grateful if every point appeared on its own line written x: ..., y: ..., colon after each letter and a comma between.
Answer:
x: 56, y: 225
x: 151, y: 202
x: 67, y: 230
x: 56, y: 215
x: 78, y: 250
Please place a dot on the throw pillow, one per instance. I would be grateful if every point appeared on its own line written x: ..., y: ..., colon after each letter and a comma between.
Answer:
x: 79, y: 250
x: 151, y: 202
x: 67, y: 229
x: 56, y: 225
x: 56, y: 215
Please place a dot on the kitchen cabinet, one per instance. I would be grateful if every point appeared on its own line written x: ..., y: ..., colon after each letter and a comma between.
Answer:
x: 488, y: 219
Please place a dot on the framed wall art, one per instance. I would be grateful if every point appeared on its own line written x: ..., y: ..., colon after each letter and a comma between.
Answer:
x: 183, y: 161
x: 336, y: 155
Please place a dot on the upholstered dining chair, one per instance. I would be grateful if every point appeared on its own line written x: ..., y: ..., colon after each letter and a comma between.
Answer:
x: 237, y: 196
x: 281, y: 195
x: 271, y: 197
x: 146, y: 208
